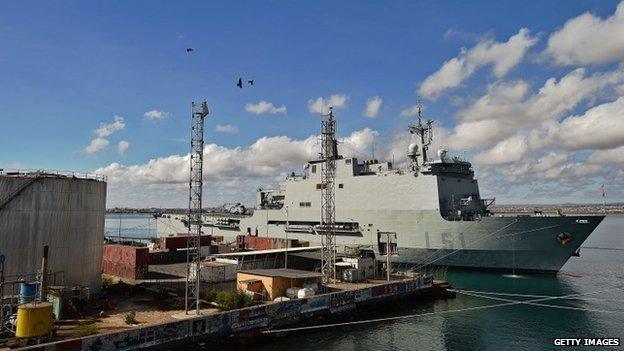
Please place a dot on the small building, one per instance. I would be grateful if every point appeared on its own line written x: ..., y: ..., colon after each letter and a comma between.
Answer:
x: 268, y: 284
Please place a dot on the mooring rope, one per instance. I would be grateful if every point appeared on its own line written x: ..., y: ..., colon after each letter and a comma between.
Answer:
x: 537, y: 304
x: 523, y: 295
x: 377, y: 320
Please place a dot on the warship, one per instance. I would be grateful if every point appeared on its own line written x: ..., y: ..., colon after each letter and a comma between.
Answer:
x: 432, y: 207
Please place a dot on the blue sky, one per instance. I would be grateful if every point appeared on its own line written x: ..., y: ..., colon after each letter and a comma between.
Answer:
x: 67, y: 68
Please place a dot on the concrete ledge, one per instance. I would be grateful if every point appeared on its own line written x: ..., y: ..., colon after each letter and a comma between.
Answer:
x: 247, y: 320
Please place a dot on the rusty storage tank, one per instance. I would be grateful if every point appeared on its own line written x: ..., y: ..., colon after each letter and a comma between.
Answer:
x: 64, y: 211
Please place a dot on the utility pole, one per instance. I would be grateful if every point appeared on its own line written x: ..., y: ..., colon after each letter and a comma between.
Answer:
x: 193, y: 240
x: 43, y: 282
x: 388, y: 269
x: 286, y: 245
x: 329, y: 153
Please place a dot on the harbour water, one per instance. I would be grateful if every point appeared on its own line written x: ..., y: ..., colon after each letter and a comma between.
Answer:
x: 596, y: 279
x: 130, y: 225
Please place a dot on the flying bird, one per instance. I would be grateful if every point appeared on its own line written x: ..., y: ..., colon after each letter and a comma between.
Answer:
x: 240, y: 83
x: 189, y: 50
x: 250, y: 82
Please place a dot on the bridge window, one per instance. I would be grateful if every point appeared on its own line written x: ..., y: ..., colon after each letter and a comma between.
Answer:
x: 340, y: 186
x: 305, y: 204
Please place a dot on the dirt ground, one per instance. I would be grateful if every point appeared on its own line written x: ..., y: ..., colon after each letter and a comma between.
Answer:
x: 147, y: 308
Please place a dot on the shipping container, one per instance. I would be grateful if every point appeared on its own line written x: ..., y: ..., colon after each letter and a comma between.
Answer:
x: 180, y: 242
x: 249, y: 242
x: 126, y: 254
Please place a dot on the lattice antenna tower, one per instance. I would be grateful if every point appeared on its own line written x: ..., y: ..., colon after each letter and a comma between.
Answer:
x: 329, y: 153
x: 193, y: 261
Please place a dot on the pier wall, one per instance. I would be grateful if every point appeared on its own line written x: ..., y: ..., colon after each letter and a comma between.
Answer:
x: 273, y: 315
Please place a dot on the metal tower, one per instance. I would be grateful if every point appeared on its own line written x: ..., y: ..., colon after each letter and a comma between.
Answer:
x: 329, y: 153
x: 198, y: 113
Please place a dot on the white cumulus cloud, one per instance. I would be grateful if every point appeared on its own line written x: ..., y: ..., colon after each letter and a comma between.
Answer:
x: 607, y: 156
x: 96, y: 145
x: 507, y: 151
x: 107, y: 129
x: 261, y: 163
x: 503, y: 56
x: 226, y: 128
x: 508, y: 107
x: 263, y: 107
x: 589, y: 39
x: 321, y: 105
x: 601, y: 127
x: 156, y: 115
x: 373, y: 104
x: 122, y: 146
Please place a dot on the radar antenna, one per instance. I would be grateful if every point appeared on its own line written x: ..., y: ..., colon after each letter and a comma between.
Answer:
x: 423, y: 130
x: 329, y: 153
x: 193, y: 261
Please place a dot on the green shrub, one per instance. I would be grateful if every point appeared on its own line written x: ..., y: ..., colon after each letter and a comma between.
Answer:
x: 209, y: 295
x: 130, y: 317
x: 230, y: 300
x: 85, y: 329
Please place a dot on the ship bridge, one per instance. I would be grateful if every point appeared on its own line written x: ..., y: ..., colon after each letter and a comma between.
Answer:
x: 458, y: 189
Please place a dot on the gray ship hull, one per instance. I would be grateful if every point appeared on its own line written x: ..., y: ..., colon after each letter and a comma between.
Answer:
x: 523, y: 243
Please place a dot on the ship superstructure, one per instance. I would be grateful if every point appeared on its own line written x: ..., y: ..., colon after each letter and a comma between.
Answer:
x: 433, y: 205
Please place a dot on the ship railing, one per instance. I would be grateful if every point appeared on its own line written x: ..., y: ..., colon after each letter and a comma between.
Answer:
x: 48, y: 172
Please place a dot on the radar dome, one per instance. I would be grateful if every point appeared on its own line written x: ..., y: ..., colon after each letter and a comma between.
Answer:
x: 412, y: 149
x: 442, y: 155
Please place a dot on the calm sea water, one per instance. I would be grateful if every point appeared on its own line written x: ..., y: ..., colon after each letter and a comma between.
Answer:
x: 599, y: 270
x: 130, y: 225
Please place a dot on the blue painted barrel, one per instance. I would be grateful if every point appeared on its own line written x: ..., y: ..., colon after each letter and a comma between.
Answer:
x: 28, y: 292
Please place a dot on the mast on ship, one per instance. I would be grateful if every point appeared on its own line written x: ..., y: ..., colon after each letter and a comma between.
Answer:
x: 424, y: 132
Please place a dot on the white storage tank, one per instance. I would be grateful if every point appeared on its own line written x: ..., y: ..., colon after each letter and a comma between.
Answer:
x: 63, y: 211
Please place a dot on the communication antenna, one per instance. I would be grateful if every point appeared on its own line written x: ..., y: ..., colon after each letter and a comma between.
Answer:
x: 423, y: 130
x: 373, y: 149
x: 329, y: 153
x: 193, y: 260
